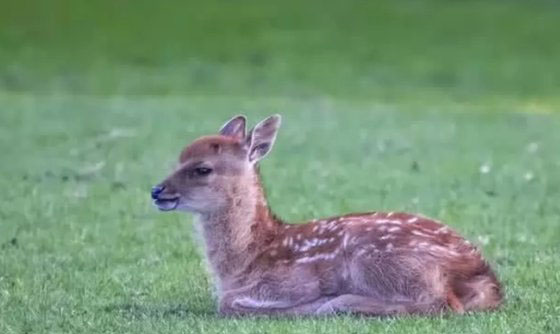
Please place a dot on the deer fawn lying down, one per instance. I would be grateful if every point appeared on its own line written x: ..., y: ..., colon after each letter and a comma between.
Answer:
x: 370, y: 263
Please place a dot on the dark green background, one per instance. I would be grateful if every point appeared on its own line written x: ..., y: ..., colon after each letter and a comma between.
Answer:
x: 381, y: 49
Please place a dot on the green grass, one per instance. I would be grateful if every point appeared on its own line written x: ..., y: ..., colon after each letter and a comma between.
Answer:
x: 390, y: 105
x: 84, y: 251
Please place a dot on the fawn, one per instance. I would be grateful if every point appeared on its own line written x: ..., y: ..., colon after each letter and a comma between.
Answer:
x: 369, y: 263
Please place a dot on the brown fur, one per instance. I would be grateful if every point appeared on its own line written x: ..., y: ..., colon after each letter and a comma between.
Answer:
x: 370, y: 263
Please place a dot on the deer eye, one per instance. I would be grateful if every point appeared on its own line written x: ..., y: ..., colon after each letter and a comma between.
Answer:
x: 202, y: 171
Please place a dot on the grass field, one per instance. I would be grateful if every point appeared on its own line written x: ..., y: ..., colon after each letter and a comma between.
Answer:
x: 448, y: 108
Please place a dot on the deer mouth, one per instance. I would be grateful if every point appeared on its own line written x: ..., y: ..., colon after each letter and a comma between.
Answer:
x: 166, y: 204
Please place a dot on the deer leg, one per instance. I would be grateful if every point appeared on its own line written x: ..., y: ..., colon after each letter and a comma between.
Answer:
x: 454, y: 302
x: 258, y: 300
x: 372, y: 306
x: 246, y: 306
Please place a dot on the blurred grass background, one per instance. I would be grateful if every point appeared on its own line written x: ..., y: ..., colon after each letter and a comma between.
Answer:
x: 447, y: 108
x: 391, y: 50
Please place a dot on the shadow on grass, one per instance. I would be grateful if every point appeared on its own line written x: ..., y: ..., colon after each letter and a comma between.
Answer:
x: 142, y: 311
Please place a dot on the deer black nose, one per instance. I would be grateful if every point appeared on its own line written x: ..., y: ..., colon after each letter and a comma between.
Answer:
x: 156, y: 191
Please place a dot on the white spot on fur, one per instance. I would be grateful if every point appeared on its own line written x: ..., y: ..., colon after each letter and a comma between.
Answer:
x: 412, y: 220
x: 421, y: 234
x: 333, y: 225
x: 389, y: 221
x: 345, y: 240
x: 308, y: 244
x: 442, y: 230
x: 317, y: 257
x: 390, y: 214
x: 394, y: 229
x: 389, y: 247
x: 287, y: 242
x: 356, y: 220
x: 387, y: 236
x: 367, y: 249
x: 452, y: 252
x: 436, y: 248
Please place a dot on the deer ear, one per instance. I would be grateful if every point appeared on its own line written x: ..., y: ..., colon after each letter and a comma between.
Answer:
x: 235, y: 127
x: 262, y: 137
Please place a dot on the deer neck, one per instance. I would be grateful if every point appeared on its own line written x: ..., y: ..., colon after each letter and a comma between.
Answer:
x: 234, y: 235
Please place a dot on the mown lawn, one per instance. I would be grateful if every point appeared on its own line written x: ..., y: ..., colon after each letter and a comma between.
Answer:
x: 445, y: 108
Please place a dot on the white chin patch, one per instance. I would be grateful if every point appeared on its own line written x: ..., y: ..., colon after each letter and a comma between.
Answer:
x: 166, y: 204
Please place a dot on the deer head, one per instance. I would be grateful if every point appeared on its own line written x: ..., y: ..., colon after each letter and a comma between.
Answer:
x: 216, y: 169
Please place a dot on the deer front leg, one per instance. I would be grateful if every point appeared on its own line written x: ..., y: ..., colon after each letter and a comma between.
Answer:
x: 247, y: 306
x: 263, y: 299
